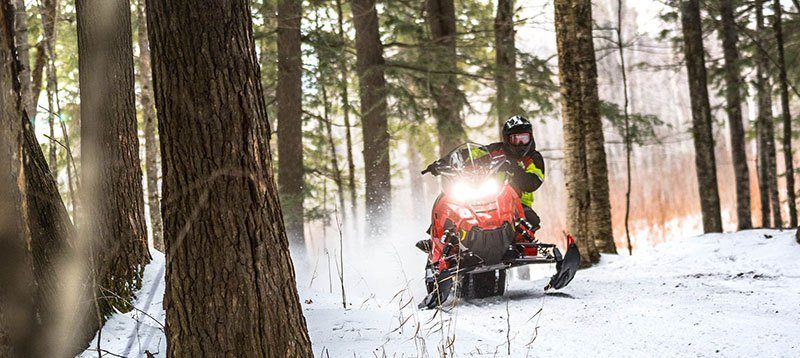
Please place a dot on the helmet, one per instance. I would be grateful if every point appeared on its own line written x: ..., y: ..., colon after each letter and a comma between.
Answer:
x: 517, y: 136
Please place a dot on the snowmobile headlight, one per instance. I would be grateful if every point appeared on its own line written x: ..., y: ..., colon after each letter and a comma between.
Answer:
x: 467, y: 192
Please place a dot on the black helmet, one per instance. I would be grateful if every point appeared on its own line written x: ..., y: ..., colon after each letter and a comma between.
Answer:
x: 518, y: 136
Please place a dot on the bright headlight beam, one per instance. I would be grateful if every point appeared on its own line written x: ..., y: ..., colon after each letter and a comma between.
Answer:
x: 464, y: 191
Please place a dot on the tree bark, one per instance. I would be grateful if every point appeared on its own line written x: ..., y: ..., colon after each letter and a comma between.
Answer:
x: 230, y: 280
x: 372, y: 90
x: 507, y: 101
x: 345, y: 95
x: 733, y: 98
x: 765, y: 124
x: 18, y: 333
x: 701, y: 117
x: 786, y: 115
x: 572, y: 17
x: 23, y: 55
x: 628, y: 139
x: 290, y: 118
x: 149, y: 116
x: 112, y: 177
x: 441, y: 19
x: 48, y: 10
x: 37, y: 73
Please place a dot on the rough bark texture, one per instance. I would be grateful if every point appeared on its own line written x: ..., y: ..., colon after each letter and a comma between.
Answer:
x: 733, y: 106
x: 149, y: 117
x: 571, y: 17
x: 23, y: 55
x: 441, y: 19
x: 786, y: 115
x: 701, y: 116
x: 290, y: 118
x: 18, y: 332
x: 230, y: 281
x: 38, y: 72
x: 507, y: 101
x: 372, y: 90
x: 766, y: 129
x: 112, y: 177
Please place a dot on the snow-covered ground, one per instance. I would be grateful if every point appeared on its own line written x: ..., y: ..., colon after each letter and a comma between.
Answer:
x: 728, y: 295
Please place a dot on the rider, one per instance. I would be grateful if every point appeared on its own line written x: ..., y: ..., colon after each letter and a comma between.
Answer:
x: 527, y: 164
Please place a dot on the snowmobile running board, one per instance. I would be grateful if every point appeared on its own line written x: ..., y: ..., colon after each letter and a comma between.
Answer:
x: 566, y: 267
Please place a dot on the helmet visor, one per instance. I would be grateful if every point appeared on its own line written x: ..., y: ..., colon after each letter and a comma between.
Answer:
x: 519, y: 138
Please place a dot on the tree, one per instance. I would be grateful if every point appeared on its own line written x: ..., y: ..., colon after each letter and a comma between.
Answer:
x: 345, y: 97
x: 441, y: 20
x: 768, y: 178
x: 627, y: 126
x: 290, y: 117
x: 17, y: 331
x: 573, y: 20
x: 112, y: 177
x: 225, y: 238
x: 733, y: 106
x: 507, y: 100
x: 372, y: 90
x: 149, y: 116
x: 23, y: 47
x: 786, y: 115
x: 701, y: 116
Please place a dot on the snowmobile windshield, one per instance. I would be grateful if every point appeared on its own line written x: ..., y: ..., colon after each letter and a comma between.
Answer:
x: 473, y: 172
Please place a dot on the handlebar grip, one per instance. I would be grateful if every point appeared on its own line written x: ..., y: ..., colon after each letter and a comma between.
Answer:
x: 426, y: 171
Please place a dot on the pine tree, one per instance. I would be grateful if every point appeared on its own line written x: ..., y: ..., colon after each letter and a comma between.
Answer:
x: 507, y: 102
x: 290, y: 118
x: 733, y: 106
x: 786, y: 115
x: 701, y: 116
x: 372, y: 90
x: 112, y: 176
x: 225, y: 239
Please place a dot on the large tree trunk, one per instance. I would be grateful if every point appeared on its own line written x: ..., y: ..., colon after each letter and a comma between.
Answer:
x: 765, y: 126
x: 290, y: 118
x: 225, y: 239
x: 733, y: 98
x: 112, y: 177
x: 18, y: 333
x: 23, y: 55
x: 375, y: 131
x: 507, y: 100
x: 441, y: 19
x: 573, y: 28
x: 786, y: 115
x: 149, y: 116
x: 345, y: 96
x: 701, y: 116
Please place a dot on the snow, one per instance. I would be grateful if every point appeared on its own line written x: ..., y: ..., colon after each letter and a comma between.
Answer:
x: 729, y: 295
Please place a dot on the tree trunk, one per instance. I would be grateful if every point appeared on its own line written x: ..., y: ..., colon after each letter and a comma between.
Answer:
x: 23, y: 55
x: 733, y: 98
x: 150, y: 144
x: 572, y: 17
x: 37, y: 74
x: 112, y: 177
x: 375, y: 131
x: 290, y: 118
x: 344, y: 93
x: 49, y: 13
x: 628, y: 139
x: 18, y: 333
x: 701, y: 117
x: 765, y: 122
x: 441, y: 19
x: 337, y: 173
x: 786, y: 115
x: 505, y: 77
x: 225, y: 238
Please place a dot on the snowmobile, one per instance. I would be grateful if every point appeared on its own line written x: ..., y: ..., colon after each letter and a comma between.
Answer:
x: 479, y: 230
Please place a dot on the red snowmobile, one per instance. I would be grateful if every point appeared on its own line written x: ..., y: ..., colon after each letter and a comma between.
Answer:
x: 479, y: 230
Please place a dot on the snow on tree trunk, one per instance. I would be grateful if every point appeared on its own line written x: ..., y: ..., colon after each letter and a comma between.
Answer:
x: 701, y: 116
x: 230, y: 280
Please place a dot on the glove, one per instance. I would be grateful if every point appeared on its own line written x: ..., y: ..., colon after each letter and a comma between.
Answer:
x: 433, y: 168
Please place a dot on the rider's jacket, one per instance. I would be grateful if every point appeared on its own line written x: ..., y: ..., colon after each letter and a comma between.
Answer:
x: 527, y: 175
